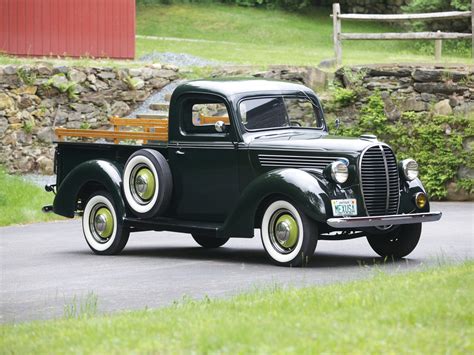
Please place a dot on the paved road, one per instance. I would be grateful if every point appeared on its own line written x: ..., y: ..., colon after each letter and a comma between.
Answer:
x: 45, y: 266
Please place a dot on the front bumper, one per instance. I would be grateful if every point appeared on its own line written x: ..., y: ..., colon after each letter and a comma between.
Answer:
x: 379, y: 221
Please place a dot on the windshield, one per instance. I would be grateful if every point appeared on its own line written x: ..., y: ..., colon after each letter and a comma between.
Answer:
x: 278, y: 112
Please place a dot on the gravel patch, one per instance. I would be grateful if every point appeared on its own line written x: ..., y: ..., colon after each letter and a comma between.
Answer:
x: 178, y: 59
x: 39, y: 180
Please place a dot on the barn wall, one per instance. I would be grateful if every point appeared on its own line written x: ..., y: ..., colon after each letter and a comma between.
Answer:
x: 96, y: 28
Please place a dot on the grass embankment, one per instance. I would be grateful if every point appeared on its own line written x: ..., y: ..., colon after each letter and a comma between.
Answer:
x: 421, y: 312
x: 262, y: 37
x: 21, y: 201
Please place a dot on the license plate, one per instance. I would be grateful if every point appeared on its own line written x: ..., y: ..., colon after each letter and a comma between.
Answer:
x: 344, y: 207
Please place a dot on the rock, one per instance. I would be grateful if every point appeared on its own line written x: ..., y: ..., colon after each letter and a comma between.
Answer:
x: 77, y: 76
x: 457, y: 194
x: 170, y: 67
x: 397, y: 72
x: 60, y: 118
x: 74, y: 124
x: 119, y: 108
x: 28, y: 101
x: 455, y: 101
x: 83, y: 108
x: 327, y: 63
x: 315, y: 78
x: 158, y: 83
x: 9, y: 70
x: 45, y: 135
x: 443, y: 108
x: 26, y: 164
x: 92, y: 78
x: 59, y: 81
x: 427, y: 97
x: 44, y: 69
x: 138, y: 84
x: 414, y: 104
x: 6, y: 102
x: 465, y: 172
x: 30, y: 90
x: 135, y: 72
x: 167, y: 74
x: 46, y: 165
x: 60, y: 69
x: 134, y: 95
x: 3, y: 125
x: 391, y: 110
x: 147, y: 73
x: 439, y: 88
x: 74, y: 117
x: 425, y: 75
x: 106, y: 75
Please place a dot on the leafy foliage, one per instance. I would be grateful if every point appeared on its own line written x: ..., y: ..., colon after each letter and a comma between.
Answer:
x: 435, y: 142
x: 291, y: 5
x: 344, y: 97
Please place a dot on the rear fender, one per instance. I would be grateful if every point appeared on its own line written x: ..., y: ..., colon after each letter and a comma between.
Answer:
x: 296, y: 185
x: 100, y: 172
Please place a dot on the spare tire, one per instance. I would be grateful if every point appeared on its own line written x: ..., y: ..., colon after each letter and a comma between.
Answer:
x: 147, y: 183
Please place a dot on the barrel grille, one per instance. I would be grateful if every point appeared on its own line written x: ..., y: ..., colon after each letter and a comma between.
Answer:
x: 380, y: 181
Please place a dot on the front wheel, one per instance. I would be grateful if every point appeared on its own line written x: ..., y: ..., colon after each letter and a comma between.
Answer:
x: 397, y: 243
x: 209, y: 242
x: 288, y: 235
x: 102, y: 227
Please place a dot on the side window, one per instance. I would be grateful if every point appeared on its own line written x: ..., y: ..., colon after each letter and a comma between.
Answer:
x: 199, y: 115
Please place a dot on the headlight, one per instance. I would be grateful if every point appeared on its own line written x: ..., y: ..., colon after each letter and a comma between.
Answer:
x: 339, y: 172
x: 410, y: 169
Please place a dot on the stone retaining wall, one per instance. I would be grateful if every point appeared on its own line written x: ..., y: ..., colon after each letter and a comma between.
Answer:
x: 35, y: 99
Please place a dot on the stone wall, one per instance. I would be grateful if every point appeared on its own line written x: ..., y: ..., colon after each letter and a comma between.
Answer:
x: 36, y: 99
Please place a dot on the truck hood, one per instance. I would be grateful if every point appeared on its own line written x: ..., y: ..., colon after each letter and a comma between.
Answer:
x: 310, y: 141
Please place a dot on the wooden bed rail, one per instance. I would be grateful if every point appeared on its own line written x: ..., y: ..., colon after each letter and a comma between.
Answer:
x: 153, y: 129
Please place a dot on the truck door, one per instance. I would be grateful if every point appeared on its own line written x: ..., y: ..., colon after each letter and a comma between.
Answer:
x: 203, y: 161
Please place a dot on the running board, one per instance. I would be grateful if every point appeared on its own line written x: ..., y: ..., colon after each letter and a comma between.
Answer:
x: 174, y: 225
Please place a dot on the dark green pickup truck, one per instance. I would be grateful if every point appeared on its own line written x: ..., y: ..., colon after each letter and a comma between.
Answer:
x: 235, y: 156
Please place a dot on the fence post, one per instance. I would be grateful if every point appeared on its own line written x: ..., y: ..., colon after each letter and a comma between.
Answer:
x: 336, y: 32
x: 438, y: 47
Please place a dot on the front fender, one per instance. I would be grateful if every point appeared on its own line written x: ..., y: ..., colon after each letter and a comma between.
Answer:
x: 407, y: 197
x: 100, y: 172
x: 296, y: 185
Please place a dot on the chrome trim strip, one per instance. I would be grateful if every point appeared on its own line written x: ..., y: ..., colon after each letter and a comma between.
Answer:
x: 387, y: 178
x: 376, y: 221
x: 296, y: 161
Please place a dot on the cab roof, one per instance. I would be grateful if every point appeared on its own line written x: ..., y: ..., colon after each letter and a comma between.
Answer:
x: 239, y: 86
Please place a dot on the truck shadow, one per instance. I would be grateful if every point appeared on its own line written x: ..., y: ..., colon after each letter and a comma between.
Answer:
x: 258, y: 257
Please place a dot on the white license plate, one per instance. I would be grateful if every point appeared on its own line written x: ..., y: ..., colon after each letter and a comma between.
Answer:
x: 344, y: 207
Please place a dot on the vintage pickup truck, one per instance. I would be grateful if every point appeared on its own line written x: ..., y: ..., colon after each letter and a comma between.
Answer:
x: 236, y: 155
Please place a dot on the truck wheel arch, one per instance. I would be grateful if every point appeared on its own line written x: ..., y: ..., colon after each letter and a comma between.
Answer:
x: 299, y: 186
x: 101, y: 175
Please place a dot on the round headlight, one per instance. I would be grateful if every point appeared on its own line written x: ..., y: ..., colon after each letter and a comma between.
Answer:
x: 339, y: 172
x: 410, y: 169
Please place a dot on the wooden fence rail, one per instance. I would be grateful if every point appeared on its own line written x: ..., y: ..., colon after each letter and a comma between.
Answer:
x: 438, y: 36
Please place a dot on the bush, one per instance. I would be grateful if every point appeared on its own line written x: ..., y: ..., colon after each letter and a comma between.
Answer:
x: 435, y: 142
x: 291, y: 5
x: 456, y: 47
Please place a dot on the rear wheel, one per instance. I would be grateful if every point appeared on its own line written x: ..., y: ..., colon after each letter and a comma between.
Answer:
x: 288, y: 235
x: 209, y: 242
x: 102, y: 227
x: 397, y: 243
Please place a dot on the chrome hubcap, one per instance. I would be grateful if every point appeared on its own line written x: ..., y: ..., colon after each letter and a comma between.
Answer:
x: 142, y: 184
x: 101, y: 223
x: 284, y: 231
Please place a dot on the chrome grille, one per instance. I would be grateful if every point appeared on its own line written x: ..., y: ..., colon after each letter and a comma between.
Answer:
x: 379, y: 181
x: 295, y: 161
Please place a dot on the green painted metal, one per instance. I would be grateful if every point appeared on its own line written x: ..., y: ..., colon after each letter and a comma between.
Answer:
x: 217, y: 177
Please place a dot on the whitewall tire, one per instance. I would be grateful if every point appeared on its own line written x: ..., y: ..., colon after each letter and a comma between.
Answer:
x: 288, y: 235
x: 147, y: 183
x: 102, y: 227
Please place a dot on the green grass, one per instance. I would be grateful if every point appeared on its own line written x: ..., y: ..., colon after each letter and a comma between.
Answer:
x: 263, y: 37
x: 21, y: 201
x: 421, y: 312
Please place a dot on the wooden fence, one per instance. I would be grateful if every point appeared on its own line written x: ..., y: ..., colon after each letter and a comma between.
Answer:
x: 438, y: 36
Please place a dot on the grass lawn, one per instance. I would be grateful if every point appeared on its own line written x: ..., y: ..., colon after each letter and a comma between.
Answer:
x: 262, y: 37
x: 421, y: 312
x: 21, y: 201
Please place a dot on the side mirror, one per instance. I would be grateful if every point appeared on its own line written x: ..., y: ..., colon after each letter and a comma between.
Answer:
x: 220, y: 126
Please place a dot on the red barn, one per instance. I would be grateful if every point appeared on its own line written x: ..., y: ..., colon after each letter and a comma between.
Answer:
x: 75, y: 28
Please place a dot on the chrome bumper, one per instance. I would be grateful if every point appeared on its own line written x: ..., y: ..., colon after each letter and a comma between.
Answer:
x: 378, y: 221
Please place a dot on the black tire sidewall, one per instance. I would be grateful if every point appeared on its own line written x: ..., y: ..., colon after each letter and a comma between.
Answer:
x: 398, y: 243
x: 209, y: 242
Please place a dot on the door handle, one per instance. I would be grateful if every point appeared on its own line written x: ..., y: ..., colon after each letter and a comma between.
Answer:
x: 179, y: 152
